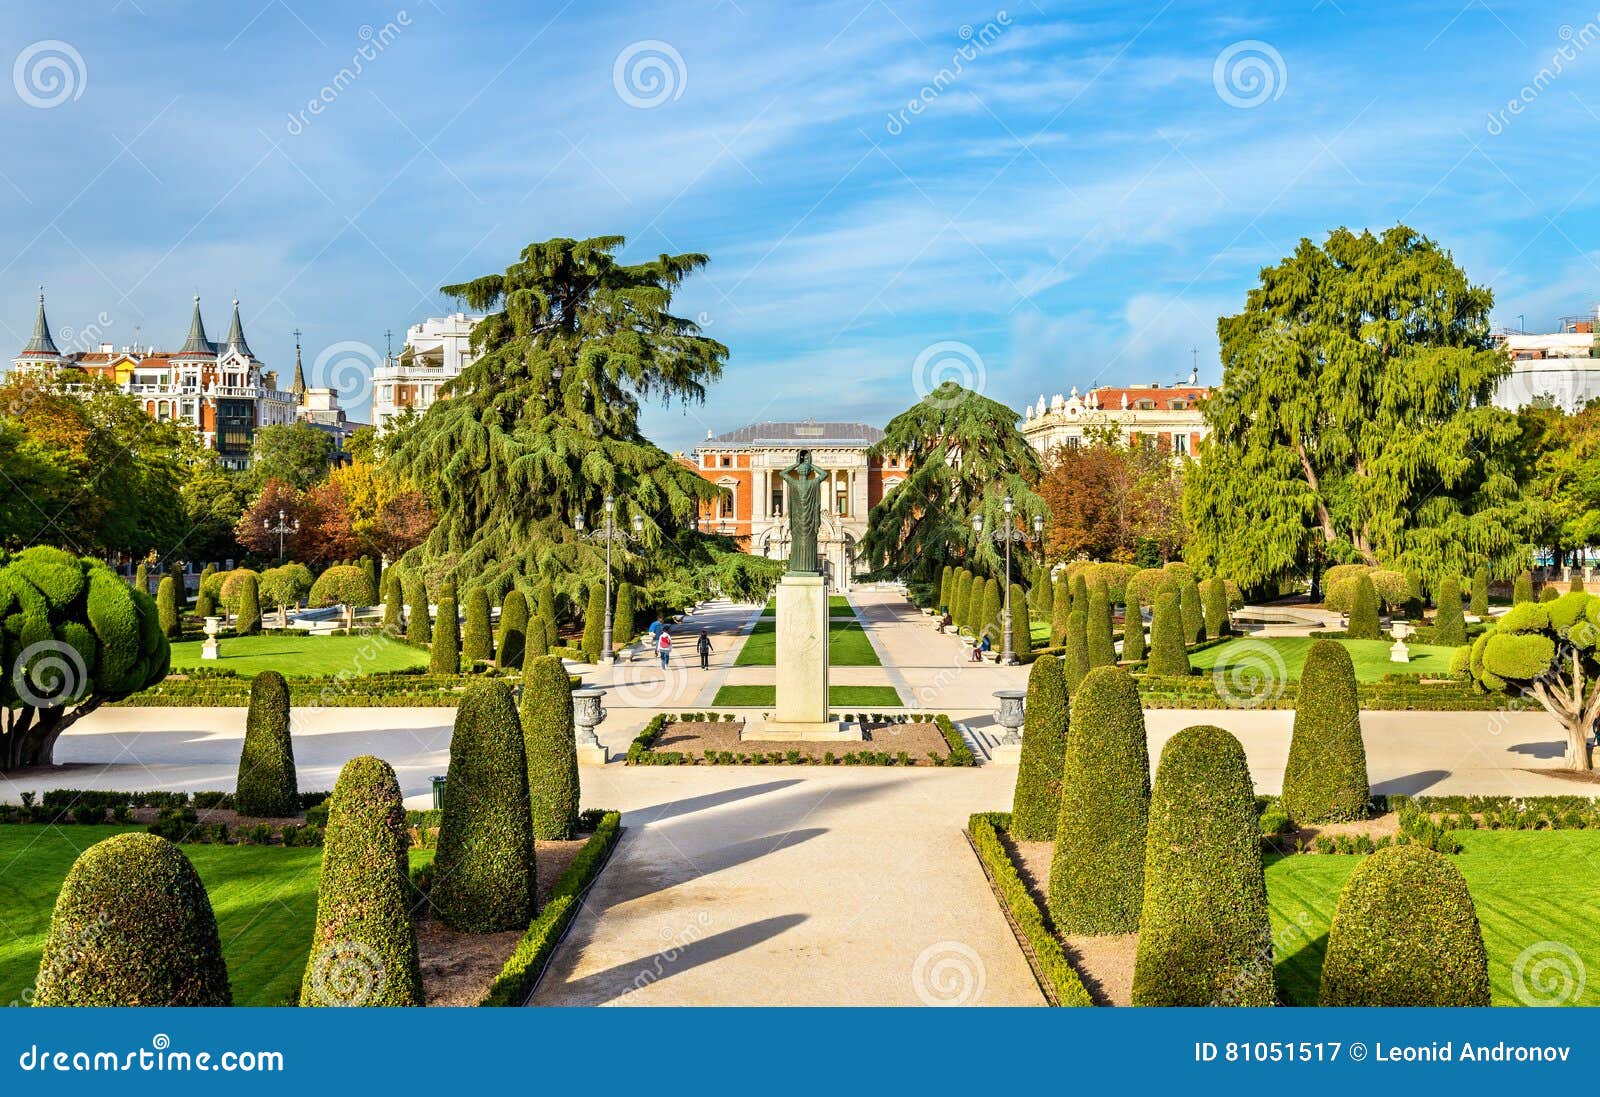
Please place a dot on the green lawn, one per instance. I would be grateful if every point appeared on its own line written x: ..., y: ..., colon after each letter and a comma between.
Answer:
x: 1528, y: 886
x: 838, y: 696
x: 837, y: 604
x: 265, y: 898
x: 1371, y: 657
x: 848, y: 646
x: 302, y: 656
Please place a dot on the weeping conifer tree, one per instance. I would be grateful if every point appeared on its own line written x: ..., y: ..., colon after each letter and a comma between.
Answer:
x: 545, y: 423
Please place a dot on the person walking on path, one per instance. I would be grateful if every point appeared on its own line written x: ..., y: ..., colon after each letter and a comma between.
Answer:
x: 664, y: 646
x: 703, y: 646
x: 655, y: 631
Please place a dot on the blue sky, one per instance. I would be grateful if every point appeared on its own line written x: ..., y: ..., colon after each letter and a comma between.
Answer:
x: 1077, y: 204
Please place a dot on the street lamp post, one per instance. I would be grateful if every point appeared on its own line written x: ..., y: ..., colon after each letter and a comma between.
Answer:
x: 284, y: 526
x: 610, y: 535
x: 1006, y: 535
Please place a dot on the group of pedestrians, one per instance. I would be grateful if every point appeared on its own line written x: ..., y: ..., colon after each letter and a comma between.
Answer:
x: 661, y: 642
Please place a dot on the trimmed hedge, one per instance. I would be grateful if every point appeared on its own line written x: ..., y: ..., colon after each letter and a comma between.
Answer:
x: 1036, y: 802
x: 1097, y: 624
x: 594, y: 623
x: 1214, y: 601
x: 247, y: 618
x: 267, y: 786
x: 527, y: 963
x: 393, y: 614
x: 484, y: 870
x: 989, y: 622
x: 1060, y: 611
x: 1364, y: 623
x: 1192, y: 612
x: 625, y: 614
x: 346, y: 585
x: 513, y: 640
x: 444, y: 655
x: 1097, y: 873
x: 1479, y: 604
x: 1075, y: 654
x: 477, y: 641
x: 1021, y: 622
x: 364, y: 947
x: 551, y: 748
x: 419, y: 628
x: 1405, y: 933
x: 1325, y: 779
x: 1449, y: 625
x: 1133, y: 641
x: 132, y: 926
x: 167, y: 608
x: 1167, y: 650
x: 544, y: 609
x: 1522, y: 590
x: 1205, y: 938
x: 1062, y: 983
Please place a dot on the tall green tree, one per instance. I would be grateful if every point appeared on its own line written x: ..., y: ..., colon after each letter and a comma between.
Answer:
x: 545, y: 423
x: 965, y: 455
x: 1353, y: 421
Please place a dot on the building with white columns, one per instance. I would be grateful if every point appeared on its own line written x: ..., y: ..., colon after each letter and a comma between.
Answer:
x: 748, y: 464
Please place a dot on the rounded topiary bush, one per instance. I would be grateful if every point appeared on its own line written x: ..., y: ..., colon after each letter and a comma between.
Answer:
x: 483, y: 877
x: 477, y: 642
x: 267, y: 786
x: 1168, y: 655
x: 167, y: 607
x: 1364, y: 624
x: 1405, y: 933
x: 1449, y: 624
x: 1075, y: 650
x: 133, y: 926
x: 551, y: 747
x: 513, y: 640
x: 1205, y: 938
x: 1036, y: 802
x: 345, y: 585
x: 1326, y: 777
x: 1097, y: 872
x: 1102, y: 648
x: 364, y: 947
x: 444, y: 656
x: 1146, y: 585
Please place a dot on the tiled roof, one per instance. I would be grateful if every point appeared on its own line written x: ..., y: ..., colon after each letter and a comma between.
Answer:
x: 805, y: 433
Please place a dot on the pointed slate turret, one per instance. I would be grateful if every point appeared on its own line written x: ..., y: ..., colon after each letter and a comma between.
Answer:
x: 197, y: 343
x: 41, y: 344
x: 236, y: 333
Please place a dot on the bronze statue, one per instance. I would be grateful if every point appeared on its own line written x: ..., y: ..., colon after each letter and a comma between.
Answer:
x: 805, y: 513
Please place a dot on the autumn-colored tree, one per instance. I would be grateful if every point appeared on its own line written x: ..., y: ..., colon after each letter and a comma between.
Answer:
x: 1107, y: 497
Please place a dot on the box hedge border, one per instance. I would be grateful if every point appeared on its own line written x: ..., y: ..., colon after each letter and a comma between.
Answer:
x: 642, y: 752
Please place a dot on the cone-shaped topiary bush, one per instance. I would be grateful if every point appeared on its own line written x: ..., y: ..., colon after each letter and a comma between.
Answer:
x: 1191, y: 610
x: 1133, y: 644
x: 393, y: 615
x: 247, y: 617
x: 477, y: 639
x: 1078, y: 587
x: 1205, y: 938
x: 1167, y: 653
x: 167, y: 607
x: 1575, y: 584
x: 1364, y: 624
x: 1097, y: 872
x: 419, y: 628
x: 1405, y: 933
x: 972, y: 607
x: 484, y: 871
x: 991, y: 612
x: 1214, y: 601
x: 945, y: 575
x: 625, y: 615
x: 1021, y: 622
x: 1522, y: 590
x: 141, y: 578
x: 1449, y: 625
x: 1326, y: 777
x: 552, y: 749
x: 1479, y: 605
x: 267, y: 786
x: 132, y: 926
x: 1097, y: 623
x: 1060, y: 610
x: 364, y: 947
x: 513, y: 641
x: 594, y: 622
x: 1036, y: 803
x: 444, y: 657
x: 536, y: 646
x: 1075, y: 650
x: 545, y: 610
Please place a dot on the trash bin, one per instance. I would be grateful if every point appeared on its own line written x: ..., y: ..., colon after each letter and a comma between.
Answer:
x: 438, y: 793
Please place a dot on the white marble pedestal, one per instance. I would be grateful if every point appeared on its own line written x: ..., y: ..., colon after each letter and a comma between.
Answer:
x: 801, y: 712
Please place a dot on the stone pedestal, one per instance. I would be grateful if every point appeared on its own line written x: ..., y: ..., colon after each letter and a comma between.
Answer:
x: 587, y: 713
x: 801, y: 712
x: 208, y: 650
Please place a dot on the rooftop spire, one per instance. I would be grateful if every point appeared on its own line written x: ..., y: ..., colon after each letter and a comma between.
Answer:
x: 41, y: 343
x: 236, y: 333
x: 197, y: 343
x: 299, y: 386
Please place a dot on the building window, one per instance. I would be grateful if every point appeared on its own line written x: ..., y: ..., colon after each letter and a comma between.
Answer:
x: 727, y: 462
x: 1180, y: 445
